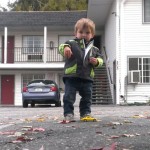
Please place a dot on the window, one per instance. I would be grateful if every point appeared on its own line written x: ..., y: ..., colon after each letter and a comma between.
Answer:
x: 146, y: 8
x: 63, y: 39
x: 143, y: 65
x: 60, y: 82
x: 33, y: 44
x: 26, y: 78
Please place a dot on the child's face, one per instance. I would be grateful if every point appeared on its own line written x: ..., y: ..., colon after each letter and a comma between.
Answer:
x: 84, y: 34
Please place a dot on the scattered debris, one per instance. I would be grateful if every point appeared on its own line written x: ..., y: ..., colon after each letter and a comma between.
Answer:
x: 40, y: 119
x: 66, y: 121
x: 7, y: 133
x: 22, y: 139
x: 138, y: 116
x: 42, y: 148
x: 128, y: 135
x: 111, y: 147
x: 127, y: 121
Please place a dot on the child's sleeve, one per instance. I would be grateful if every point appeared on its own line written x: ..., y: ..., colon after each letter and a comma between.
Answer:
x: 99, y: 58
x: 62, y: 46
x: 100, y: 62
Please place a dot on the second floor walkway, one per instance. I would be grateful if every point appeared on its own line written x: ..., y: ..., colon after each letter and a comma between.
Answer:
x: 30, y: 54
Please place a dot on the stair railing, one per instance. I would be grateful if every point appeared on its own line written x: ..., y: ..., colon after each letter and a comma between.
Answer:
x: 107, y: 66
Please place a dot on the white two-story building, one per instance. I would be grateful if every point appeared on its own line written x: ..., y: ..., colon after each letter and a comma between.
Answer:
x: 29, y: 49
x: 126, y: 40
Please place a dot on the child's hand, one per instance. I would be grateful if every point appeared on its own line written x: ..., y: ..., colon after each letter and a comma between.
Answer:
x: 67, y: 52
x: 93, y: 61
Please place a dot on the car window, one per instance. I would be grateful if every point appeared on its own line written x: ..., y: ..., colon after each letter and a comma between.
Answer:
x: 48, y: 82
x: 41, y: 82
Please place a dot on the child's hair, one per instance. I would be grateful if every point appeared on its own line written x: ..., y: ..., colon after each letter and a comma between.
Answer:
x: 85, y: 23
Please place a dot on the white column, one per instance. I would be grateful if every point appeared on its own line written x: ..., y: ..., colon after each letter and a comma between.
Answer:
x: 45, y: 41
x: 5, y: 45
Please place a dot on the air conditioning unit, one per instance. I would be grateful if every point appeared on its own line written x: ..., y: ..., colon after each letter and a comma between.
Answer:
x: 35, y: 57
x: 134, y: 76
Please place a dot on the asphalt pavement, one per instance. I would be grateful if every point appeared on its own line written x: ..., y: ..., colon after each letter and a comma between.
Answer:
x: 41, y: 128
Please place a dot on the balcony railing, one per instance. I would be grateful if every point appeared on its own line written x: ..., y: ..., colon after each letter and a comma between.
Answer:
x: 36, y: 54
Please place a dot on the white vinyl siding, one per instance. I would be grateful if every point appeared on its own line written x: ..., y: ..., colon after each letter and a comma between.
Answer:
x: 136, y: 42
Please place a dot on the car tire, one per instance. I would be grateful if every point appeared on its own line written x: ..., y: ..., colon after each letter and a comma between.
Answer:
x: 25, y: 104
x: 32, y: 104
x: 58, y: 104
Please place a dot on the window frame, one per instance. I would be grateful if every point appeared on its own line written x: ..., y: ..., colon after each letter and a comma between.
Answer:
x: 141, y: 68
x: 143, y: 12
x: 26, y: 49
x: 69, y: 37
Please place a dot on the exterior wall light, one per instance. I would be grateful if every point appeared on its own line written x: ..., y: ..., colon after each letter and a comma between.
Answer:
x: 51, y: 44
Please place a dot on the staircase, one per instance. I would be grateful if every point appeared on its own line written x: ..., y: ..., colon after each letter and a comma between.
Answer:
x: 101, y: 87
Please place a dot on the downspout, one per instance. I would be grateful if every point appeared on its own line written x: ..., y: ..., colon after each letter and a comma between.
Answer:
x: 122, y: 50
x: 5, y: 45
x: 45, y: 41
x: 117, y: 52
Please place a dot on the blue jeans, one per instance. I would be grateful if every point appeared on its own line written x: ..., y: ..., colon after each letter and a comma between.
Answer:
x: 72, y: 85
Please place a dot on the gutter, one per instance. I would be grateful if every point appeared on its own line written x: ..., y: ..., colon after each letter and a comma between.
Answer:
x: 122, y: 50
x: 119, y: 50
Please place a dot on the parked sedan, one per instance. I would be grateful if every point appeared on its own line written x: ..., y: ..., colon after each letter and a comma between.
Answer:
x: 41, y: 92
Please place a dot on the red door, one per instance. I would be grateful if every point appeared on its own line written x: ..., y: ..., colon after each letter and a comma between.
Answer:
x: 7, y: 89
x: 10, y: 49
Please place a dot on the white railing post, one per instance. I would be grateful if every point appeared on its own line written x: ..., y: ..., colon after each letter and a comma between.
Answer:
x: 5, y: 45
x: 45, y: 41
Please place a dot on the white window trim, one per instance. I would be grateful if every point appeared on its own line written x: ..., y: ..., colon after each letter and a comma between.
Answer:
x: 143, y: 14
x: 33, y: 46
x: 67, y: 37
x: 141, y: 71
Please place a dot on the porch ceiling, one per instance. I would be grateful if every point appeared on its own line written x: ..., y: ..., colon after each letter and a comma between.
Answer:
x: 98, y: 11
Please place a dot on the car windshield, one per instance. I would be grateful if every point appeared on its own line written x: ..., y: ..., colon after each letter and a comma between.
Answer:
x: 41, y: 82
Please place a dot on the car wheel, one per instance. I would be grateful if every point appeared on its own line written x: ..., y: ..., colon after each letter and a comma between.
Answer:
x: 58, y: 104
x: 25, y: 104
x: 32, y: 104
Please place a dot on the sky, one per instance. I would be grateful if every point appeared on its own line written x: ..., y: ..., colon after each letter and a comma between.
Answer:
x: 3, y: 3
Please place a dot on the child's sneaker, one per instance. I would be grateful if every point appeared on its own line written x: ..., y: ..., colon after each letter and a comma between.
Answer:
x: 69, y: 118
x: 88, y: 118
